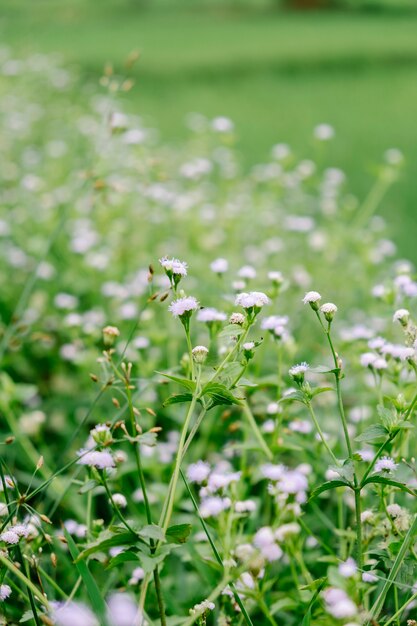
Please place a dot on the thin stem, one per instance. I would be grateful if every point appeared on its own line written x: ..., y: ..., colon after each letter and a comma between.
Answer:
x: 359, y: 556
x: 321, y: 434
x: 256, y: 431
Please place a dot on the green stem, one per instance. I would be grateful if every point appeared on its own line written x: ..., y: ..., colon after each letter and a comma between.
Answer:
x: 321, y: 434
x: 256, y: 431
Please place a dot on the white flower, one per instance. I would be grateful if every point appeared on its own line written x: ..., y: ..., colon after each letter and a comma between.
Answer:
x: 247, y: 272
x: 394, y: 510
x: 245, y: 506
x: 312, y: 298
x: 200, y: 354
x: 367, y: 516
x: 329, y: 310
x: 101, y: 459
x: 264, y: 537
x: 369, y: 577
x: 5, y: 592
x: 198, y: 472
x: 402, y: 316
x: 297, y: 372
x: 179, y: 307
x: 253, y: 299
x: 385, y: 465
x: 222, y: 124
x: 380, y: 364
x: 287, y: 530
x: 123, y: 610
x: 214, y: 505
x: 10, y: 537
x: 338, y: 603
x: 219, y: 266
x: 138, y: 574
x: 209, y: 314
x: 324, y: 132
x: 271, y: 322
x: 368, y: 359
x: 72, y: 613
x: 202, y: 607
x: 348, y: 568
x: 174, y: 266
x: 120, y: 500
x: 237, y: 318
x: 249, y: 345
x: 273, y: 472
x: 276, y: 277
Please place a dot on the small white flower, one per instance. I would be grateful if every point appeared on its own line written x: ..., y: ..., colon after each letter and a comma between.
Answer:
x: 5, y: 592
x: 311, y: 297
x: 200, y: 354
x: 120, y: 500
x: 174, y: 266
x: 329, y: 310
x: 237, y: 318
x: 198, y: 472
x: 202, y: 607
x: 253, y: 299
x: 219, y: 266
x: 247, y: 272
x: 297, y: 372
x: 369, y: 577
x: 348, y: 568
x: 10, y: 537
x: 209, y: 314
x: 368, y: 359
x: 367, y: 516
x: 101, y: 459
x: 245, y: 506
x: 71, y: 613
x: 276, y: 277
x: 324, y: 132
x: 182, y: 306
x: 222, y: 124
x: 380, y: 364
x: 385, y: 465
x: 402, y: 316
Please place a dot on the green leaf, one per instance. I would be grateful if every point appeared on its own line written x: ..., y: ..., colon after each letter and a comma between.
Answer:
x: 97, y: 602
x: 388, y: 417
x: 345, y: 471
x: 219, y: 394
x: 373, y: 433
x: 88, y: 486
x: 148, y: 439
x: 294, y: 395
x: 317, y: 390
x: 104, y: 544
x: 330, y: 484
x: 231, y: 330
x: 178, y: 398
x: 124, y: 557
x: 152, y: 531
x: 178, y: 533
x: 382, y: 480
x: 324, y: 369
x: 185, y: 382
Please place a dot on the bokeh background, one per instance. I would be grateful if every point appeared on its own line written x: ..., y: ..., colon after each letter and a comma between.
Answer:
x: 276, y: 68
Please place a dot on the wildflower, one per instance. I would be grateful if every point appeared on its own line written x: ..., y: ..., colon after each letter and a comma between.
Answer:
x: 273, y: 472
x: 385, y: 465
x: 367, y: 516
x: 202, y: 607
x: 276, y: 278
x: 287, y: 530
x: 138, y: 574
x: 213, y: 506
x: 312, y: 298
x: 123, y: 610
x: 338, y: 603
x: 402, y: 316
x: 252, y: 302
x: 245, y: 506
x: 210, y: 315
x: 329, y: 310
x: 380, y: 364
x: 324, y: 132
x: 198, y: 472
x: 247, y: 272
x: 348, y: 568
x: 5, y: 592
x: 101, y: 459
x: 101, y: 434
x: 297, y: 372
x: 219, y: 266
x: 119, y: 500
x: 369, y: 577
x: 184, y: 307
x: 368, y: 359
x: 271, y: 322
x: 174, y: 269
x: 71, y: 613
x: 222, y: 124
x: 237, y: 318
x: 110, y: 334
x: 200, y: 354
x: 10, y: 537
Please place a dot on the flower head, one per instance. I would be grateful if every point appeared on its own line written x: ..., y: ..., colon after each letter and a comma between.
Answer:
x: 385, y: 465
x: 100, y: 459
x: 297, y: 372
x: 329, y: 310
x: 312, y: 298
x: 174, y: 269
x: 252, y: 302
x: 219, y: 266
x: 200, y: 354
x: 402, y: 316
x: 183, y: 307
x: 5, y: 592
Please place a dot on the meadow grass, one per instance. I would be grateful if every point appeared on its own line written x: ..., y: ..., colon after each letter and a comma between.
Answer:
x: 276, y: 74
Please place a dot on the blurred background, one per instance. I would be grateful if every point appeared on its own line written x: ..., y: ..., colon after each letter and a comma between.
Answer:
x: 276, y: 67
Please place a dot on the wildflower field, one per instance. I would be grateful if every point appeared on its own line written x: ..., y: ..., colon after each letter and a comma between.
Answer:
x: 208, y: 373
